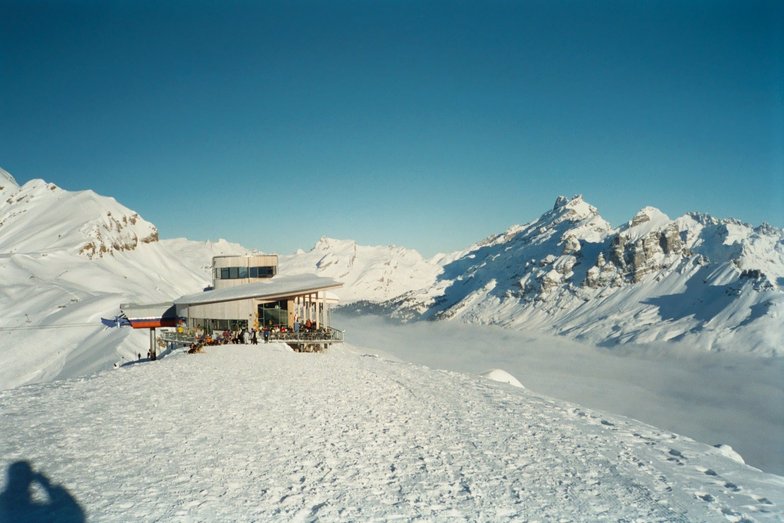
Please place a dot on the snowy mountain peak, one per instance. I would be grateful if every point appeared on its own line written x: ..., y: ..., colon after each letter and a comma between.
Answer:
x: 560, y: 201
x: 7, y: 181
x: 40, y: 217
x: 375, y: 273
x: 647, y: 220
x: 574, y: 208
x: 327, y: 244
x: 571, y: 218
x: 647, y: 214
x: 580, y: 216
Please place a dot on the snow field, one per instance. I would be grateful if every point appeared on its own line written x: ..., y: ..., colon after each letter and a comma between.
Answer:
x: 714, y: 398
x: 259, y: 433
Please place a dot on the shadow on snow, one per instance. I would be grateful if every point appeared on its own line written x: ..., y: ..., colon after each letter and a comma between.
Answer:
x: 20, y: 501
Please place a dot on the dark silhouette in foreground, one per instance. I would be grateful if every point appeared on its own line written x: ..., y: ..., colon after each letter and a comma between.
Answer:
x: 17, y: 503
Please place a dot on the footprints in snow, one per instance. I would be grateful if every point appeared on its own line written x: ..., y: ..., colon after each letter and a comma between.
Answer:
x: 677, y: 457
x: 730, y: 486
x: 715, y: 489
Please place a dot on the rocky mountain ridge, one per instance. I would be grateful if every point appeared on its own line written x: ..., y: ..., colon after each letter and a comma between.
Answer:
x: 101, y: 226
x: 715, y: 283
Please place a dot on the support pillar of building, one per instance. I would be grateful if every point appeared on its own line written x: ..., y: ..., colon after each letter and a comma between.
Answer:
x: 153, y: 347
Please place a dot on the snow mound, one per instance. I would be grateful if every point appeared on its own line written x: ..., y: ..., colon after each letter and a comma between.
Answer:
x: 502, y: 376
x: 729, y: 452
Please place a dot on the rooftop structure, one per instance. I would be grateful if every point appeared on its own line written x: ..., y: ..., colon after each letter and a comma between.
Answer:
x: 229, y: 271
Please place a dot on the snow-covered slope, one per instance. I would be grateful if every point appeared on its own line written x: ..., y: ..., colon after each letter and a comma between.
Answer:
x: 370, y: 273
x: 258, y: 433
x: 716, y: 283
x: 66, y: 260
x: 51, y: 304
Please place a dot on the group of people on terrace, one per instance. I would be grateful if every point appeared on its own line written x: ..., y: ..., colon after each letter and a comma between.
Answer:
x: 251, y: 336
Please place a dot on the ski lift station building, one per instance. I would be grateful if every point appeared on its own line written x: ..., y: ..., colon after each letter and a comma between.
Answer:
x: 247, y: 289
x: 246, y: 292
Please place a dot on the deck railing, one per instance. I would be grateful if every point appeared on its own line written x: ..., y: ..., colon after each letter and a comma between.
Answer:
x: 177, y: 337
x: 320, y: 335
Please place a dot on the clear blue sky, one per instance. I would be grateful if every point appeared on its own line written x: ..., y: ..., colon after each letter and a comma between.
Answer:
x: 424, y: 124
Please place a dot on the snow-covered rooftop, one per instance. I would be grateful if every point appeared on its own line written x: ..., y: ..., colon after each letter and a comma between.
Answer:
x: 148, y: 310
x: 279, y: 286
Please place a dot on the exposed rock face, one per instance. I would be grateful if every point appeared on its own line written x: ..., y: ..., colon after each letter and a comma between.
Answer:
x: 618, y: 251
x: 571, y: 245
x: 671, y: 242
x: 603, y: 274
x: 649, y: 243
x: 549, y: 281
x: 629, y: 261
x: 117, y: 234
x: 632, y: 260
x: 644, y: 256
x: 560, y: 201
x: 551, y: 272
x: 640, y: 218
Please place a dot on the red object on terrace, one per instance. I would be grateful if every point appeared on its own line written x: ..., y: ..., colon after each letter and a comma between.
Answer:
x: 153, y: 323
x: 150, y: 316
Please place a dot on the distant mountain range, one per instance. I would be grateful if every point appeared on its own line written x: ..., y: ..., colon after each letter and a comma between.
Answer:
x: 716, y: 284
x: 68, y: 258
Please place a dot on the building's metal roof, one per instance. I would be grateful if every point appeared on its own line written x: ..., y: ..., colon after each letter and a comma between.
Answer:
x: 277, y: 287
x: 135, y: 311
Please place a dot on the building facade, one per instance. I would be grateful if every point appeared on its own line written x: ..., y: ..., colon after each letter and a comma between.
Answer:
x: 277, y: 302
